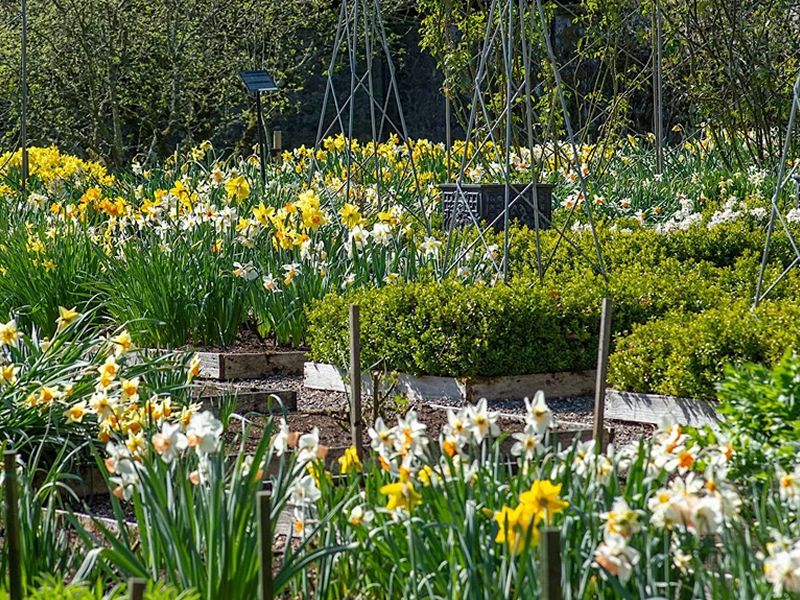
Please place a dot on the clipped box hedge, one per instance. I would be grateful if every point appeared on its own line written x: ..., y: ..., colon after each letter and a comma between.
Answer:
x: 450, y: 329
x: 525, y: 327
x: 685, y: 354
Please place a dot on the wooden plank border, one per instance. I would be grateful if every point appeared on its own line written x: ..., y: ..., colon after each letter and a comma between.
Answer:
x: 248, y: 400
x: 322, y: 376
x: 654, y: 408
x: 231, y: 366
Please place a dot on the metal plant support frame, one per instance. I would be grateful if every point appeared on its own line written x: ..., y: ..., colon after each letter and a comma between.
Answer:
x: 783, y: 179
x: 360, y: 37
x: 21, y: 137
x: 504, y: 19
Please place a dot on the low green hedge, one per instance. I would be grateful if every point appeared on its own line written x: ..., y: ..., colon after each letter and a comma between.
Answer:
x: 454, y: 329
x: 451, y: 329
x: 685, y: 354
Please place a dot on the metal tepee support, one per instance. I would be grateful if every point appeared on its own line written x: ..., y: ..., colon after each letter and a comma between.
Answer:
x: 775, y: 214
x: 509, y: 134
x: 361, y: 42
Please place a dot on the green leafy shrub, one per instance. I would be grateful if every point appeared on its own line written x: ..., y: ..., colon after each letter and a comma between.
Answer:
x: 685, y: 354
x: 761, y: 406
x: 455, y: 329
x: 464, y: 330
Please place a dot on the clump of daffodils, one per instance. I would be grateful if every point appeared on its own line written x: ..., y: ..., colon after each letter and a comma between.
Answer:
x: 519, y: 526
x: 200, y: 434
x: 782, y: 565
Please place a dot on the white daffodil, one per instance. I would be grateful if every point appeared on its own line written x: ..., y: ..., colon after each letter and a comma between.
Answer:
x: 617, y: 558
x: 481, y: 422
x: 538, y: 414
x: 527, y: 444
x: 409, y: 438
x: 308, y: 446
x: 170, y: 442
x: 382, y: 440
x: 204, y: 432
x: 304, y: 492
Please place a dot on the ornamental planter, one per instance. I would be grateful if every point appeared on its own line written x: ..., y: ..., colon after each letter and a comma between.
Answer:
x: 486, y: 202
x: 322, y: 376
x: 654, y: 408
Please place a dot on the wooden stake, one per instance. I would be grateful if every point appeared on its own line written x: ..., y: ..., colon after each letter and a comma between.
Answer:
x: 12, y: 526
x: 551, y: 563
x: 356, y: 419
x: 602, y: 369
x: 136, y: 588
x: 264, y: 505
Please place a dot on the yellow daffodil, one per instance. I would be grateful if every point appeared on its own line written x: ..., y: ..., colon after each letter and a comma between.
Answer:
x: 237, y: 188
x: 349, y: 462
x: 514, y: 527
x: 66, y: 316
x: 8, y: 374
x: 402, y: 496
x: 543, y: 498
x: 351, y: 217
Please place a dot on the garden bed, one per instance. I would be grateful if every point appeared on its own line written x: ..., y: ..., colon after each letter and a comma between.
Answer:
x: 322, y: 376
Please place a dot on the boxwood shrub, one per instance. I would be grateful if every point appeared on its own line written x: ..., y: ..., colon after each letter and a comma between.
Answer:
x: 684, y: 354
x: 452, y: 329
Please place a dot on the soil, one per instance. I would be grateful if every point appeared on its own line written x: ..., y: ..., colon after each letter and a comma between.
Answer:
x: 328, y: 411
x: 247, y: 342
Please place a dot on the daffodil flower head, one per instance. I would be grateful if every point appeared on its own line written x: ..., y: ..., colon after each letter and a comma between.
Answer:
x: 544, y: 498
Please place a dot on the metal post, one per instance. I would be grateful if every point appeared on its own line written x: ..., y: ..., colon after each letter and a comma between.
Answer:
x: 551, y: 563
x: 448, y: 133
x: 356, y: 422
x: 658, y: 100
x: 24, y: 99
x: 509, y: 51
x: 603, y: 349
x: 136, y: 588
x: 12, y: 526
x: 261, y: 140
x: 264, y: 501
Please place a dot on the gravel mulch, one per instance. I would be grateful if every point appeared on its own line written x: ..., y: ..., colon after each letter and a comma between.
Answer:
x: 328, y: 412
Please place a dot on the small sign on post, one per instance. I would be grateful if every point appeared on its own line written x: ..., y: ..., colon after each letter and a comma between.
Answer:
x: 356, y: 420
x: 264, y: 506
x: 603, y: 349
x: 12, y: 531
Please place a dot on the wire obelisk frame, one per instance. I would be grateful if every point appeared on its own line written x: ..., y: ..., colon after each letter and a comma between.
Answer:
x: 361, y: 42
x: 775, y: 213
x: 508, y: 134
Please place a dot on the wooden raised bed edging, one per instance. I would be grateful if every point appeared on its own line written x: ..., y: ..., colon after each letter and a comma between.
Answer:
x: 322, y: 376
x: 246, y: 399
x: 230, y: 366
x: 653, y: 408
